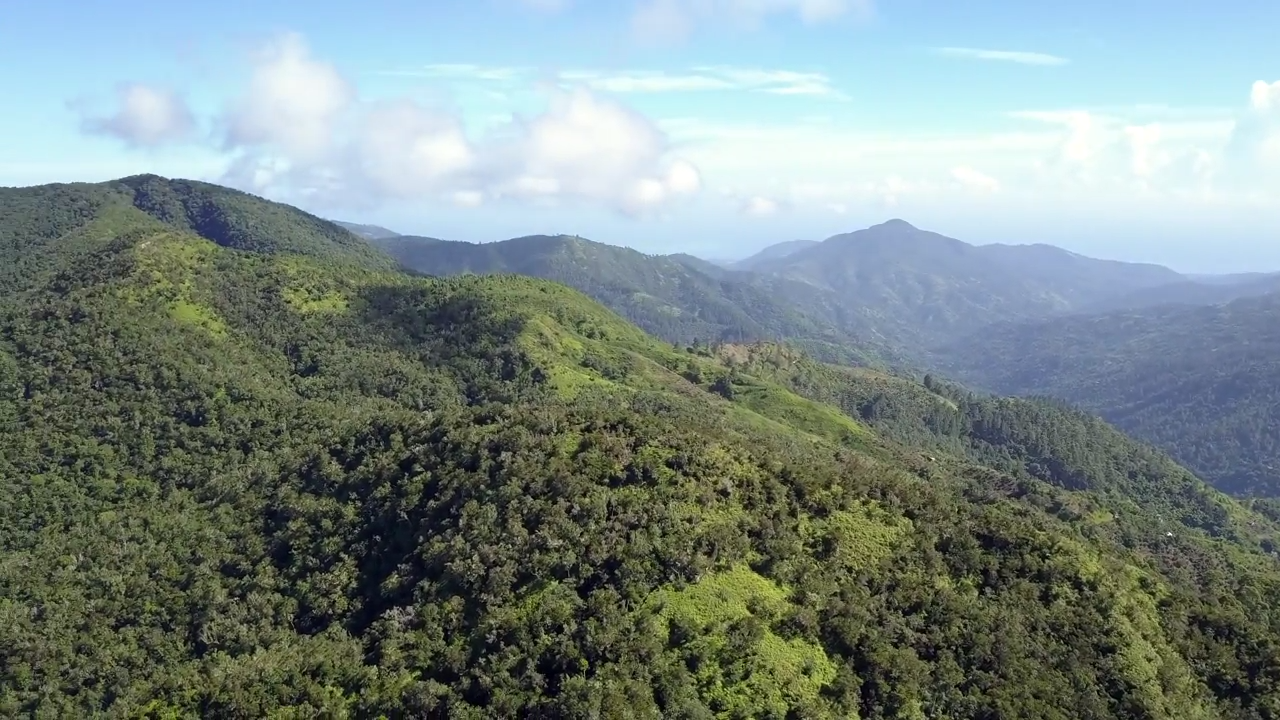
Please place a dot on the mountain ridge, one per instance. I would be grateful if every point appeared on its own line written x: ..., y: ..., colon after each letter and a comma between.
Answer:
x: 262, y: 482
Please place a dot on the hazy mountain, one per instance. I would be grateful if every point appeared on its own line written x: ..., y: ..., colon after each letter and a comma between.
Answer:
x: 1191, y: 292
x: 926, y: 288
x: 1201, y: 382
x: 368, y: 232
x: 706, y: 267
x: 772, y: 253
x: 257, y: 477
x: 1232, y: 278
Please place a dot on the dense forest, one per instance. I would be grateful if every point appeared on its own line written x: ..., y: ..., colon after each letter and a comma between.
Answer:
x: 250, y: 470
x: 1202, y: 383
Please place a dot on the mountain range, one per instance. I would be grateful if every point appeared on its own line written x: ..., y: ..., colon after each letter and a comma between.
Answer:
x: 894, y: 290
x: 253, y: 468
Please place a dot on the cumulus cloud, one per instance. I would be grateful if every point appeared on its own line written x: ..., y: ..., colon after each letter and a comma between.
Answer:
x: 674, y: 20
x: 300, y: 127
x: 1252, y: 155
x: 146, y: 116
x: 293, y: 101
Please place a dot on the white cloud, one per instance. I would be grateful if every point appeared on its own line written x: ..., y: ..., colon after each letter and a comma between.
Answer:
x: 293, y: 101
x: 975, y: 180
x: 674, y: 20
x: 465, y: 71
x: 707, y: 78
x: 1013, y: 56
x: 1251, y: 160
x: 301, y: 129
x: 146, y: 117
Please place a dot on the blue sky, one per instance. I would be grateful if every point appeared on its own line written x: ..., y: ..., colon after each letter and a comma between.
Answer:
x: 1138, y: 130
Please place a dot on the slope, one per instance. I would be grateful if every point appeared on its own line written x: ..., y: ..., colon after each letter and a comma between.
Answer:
x: 922, y: 288
x: 43, y: 225
x: 1202, y: 383
x: 670, y: 297
x: 253, y: 484
x: 774, y: 252
x: 368, y: 232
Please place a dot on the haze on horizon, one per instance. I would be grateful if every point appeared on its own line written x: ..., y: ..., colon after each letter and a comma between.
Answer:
x: 675, y: 125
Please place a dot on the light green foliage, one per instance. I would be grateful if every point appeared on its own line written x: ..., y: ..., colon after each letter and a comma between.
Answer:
x: 779, y: 673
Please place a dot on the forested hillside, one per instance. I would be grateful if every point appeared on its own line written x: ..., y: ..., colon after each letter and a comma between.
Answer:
x: 248, y: 483
x: 1202, y: 383
x: 44, y: 225
x: 677, y: 298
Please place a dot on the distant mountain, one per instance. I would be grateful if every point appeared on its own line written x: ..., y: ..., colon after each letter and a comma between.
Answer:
x: 1233, y: 278
x: 1190, y: 292
x: 924, y: 288
x: 368, y: 232
x: 891, y: 287
x: 772, y: 253
x: 678, y: 298
x: 1203, y: 383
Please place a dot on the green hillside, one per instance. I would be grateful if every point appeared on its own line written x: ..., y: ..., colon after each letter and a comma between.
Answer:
x: 677, y: 298
x: 280, y: 484
x: 43, y: 225
x: 1202, y: 383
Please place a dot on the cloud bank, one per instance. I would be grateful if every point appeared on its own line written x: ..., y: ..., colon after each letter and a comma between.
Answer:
x: 301, y: 128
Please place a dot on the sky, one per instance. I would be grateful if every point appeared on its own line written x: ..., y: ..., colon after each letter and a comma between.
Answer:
x: 1138, y: 131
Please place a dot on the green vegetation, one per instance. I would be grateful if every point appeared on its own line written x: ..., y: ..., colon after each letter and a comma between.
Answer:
x: 290, y: 484
x: 45, y: 225
x: 677, y: 298
x: 1202, y: 383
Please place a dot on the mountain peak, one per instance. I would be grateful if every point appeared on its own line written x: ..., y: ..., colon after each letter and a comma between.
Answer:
x: 897, y: 224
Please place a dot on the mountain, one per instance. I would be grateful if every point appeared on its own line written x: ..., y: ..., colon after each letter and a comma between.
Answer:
x: 924, y: 288
x: 43, y: 225
x: 284, y: 483
x: 1201, y: 382
x: 706, y: 267
x: 774, y: 252
x: 676, y: 298
x: 368, y: 232
x: 1232, y: 278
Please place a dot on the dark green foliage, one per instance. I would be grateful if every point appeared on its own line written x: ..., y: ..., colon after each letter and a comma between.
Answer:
x: 1201, y: 383
x: 42, y: 225
x: 268, y: 485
